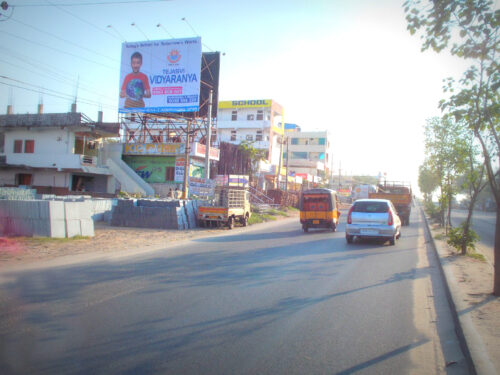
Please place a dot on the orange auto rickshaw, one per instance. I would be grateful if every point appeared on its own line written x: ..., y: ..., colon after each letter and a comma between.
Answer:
x: 319, y: 208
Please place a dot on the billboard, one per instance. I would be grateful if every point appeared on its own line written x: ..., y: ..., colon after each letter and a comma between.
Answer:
x: 160, y: 76
x: 246, y: 103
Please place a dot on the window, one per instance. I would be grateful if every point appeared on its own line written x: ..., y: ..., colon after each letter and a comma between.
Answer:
x: 170, y: 174
x: 321, y: 141
x: 295, y: 141
x: 258, y: 137
x: 234, y: 115
x: 298, y: 155
x: 260, y: 114
x: 29, y: 146
x: 233, y: 135
x: 18, y: 146
x: 2, y: 143
x: 249, y: 137
x: 251, y: 117
x: 376, y: 207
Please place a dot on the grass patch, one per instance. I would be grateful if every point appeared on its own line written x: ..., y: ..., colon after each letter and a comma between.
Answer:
x: 440, y: 236
x: 42, y: 240
x: 477, y: 256
x: 277, y: 213
x: 260, y: 218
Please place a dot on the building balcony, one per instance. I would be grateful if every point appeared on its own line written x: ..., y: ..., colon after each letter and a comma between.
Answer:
x: 64, y: 161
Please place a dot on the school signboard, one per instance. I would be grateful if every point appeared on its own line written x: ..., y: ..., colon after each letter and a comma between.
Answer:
x: 160, y: 76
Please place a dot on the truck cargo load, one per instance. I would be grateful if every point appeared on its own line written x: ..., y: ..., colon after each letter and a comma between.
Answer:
x: 400, y: 194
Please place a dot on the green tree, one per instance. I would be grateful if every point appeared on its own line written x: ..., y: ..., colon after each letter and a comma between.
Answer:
x: 428, y: 181
x: 469, y: 29
x: 446, y: 151
x: 252, y: 156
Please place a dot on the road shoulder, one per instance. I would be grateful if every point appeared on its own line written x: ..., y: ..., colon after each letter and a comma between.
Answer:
x: 470, y: 282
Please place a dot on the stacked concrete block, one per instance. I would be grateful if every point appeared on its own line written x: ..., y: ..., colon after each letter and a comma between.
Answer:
x: 190, y: 208
x: 79, y: 219
x: 32, y: 218
x: 56, y: 219
x: 101, y: 208
x: 15, y: 193
x: 150, y: 213
x: 45, y: 218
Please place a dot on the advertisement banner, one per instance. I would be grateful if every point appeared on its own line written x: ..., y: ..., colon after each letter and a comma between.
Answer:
x: 200, y: 151
x: 245, y: 103
x: 151, y: 169
x: 179, y: 169
x: 154, y: 148
x: 160, y: 76
x: 201, y: 186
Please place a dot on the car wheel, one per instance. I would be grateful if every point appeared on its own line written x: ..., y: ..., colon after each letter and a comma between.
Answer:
x: 305, y: 228
x: 348, y: 238
x: 245, y: 221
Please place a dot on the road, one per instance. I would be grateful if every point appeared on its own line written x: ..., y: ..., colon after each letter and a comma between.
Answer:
x: 483, y: 224
x: 266, y: 299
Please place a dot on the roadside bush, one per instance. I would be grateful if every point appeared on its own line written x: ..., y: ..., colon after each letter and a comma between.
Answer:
x: 457, y: 237
x: 432, y: 210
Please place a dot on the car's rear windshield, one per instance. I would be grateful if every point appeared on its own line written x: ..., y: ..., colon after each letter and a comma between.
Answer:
x: 376, y: 207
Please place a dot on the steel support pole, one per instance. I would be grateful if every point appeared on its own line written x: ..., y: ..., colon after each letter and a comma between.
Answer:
x: 185, y: 192
x: 208, y: 137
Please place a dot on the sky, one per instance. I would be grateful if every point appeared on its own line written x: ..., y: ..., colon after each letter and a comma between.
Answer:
x: 350, y: 67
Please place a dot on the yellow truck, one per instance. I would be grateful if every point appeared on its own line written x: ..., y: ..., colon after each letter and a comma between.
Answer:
x: 400, y: 194
x: 231, y: 205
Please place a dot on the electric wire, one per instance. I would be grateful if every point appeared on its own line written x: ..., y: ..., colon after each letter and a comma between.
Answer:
x: 64, y: 81
x: 48, y: 91
x: 64, y: 40
x: 90, y: 3
x: 62, y: 9
x: 57, y: 50
x: 63, y: 96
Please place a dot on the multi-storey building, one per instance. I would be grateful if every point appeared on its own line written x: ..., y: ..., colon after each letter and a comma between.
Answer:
x: 308, y: 154
x: 59, y: 153
x: 257, y: 121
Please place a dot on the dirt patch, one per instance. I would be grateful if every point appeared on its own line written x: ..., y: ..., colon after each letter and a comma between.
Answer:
x: 107, y: 239
x: 475, y: 283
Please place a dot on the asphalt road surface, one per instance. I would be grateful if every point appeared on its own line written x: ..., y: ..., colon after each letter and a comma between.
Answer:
x: 266, y: 299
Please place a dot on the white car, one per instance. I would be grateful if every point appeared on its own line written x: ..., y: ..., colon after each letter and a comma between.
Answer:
x: 373, y: 218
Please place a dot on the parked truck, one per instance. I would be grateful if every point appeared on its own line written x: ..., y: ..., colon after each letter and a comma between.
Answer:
x: 231, y: 204
x: 400, y: 194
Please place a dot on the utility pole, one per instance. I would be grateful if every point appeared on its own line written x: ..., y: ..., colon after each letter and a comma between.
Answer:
x: 209, y: 137
x: 186, y: 162
x: 280, y: 164
x: 340, y: 172
x: 286, y: 181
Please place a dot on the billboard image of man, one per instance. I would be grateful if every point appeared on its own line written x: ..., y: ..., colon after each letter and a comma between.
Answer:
x: 135, y: 86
